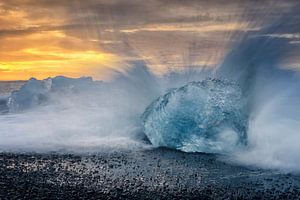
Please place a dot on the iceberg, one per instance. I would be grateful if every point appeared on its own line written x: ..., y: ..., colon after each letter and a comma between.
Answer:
x: 206, y: 116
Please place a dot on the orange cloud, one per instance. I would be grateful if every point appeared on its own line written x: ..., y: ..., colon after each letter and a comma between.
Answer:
x: 38, y: 47
x: 86, y: 38
x: 50, y: 53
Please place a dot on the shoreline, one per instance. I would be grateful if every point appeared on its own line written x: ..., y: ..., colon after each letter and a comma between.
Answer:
x: 147, y: 174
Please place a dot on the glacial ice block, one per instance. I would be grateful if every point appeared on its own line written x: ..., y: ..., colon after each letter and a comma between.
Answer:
x: 206, y: 116
x: 39, y: 92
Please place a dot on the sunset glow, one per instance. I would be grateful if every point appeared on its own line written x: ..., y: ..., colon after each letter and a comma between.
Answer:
x: 88, y: 38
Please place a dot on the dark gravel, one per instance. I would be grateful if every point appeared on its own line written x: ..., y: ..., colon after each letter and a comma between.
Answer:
x: 153, y: 174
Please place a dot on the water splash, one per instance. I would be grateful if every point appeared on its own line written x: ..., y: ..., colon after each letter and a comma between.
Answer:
x: 264, y: 102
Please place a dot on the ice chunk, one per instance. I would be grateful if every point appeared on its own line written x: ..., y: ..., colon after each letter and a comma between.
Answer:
x: 3, y: 105
x: 204, y: 116
x: 38, y: 92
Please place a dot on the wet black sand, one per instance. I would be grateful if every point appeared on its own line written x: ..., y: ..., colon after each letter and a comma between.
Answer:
x: 152, y: 174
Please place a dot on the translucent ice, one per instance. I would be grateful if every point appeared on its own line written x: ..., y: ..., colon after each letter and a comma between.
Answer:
x: 36, y: 92
x: 204, y: 116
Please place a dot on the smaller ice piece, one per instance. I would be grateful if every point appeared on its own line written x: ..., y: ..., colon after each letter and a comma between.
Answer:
x: 39, y: 92
x: 206, y: 116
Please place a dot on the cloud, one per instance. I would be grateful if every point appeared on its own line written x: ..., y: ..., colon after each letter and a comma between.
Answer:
x: 164, y: 33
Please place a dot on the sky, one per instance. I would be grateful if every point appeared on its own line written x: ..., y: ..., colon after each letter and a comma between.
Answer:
x: 74, y: 38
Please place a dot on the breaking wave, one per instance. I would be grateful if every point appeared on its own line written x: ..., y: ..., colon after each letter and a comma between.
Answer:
x: 248, y: 108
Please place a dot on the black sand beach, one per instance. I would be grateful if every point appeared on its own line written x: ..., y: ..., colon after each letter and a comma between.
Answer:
x: 151, y: 174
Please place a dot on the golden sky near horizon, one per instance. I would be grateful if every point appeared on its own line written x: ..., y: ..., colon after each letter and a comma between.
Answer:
x: 42, y: 38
